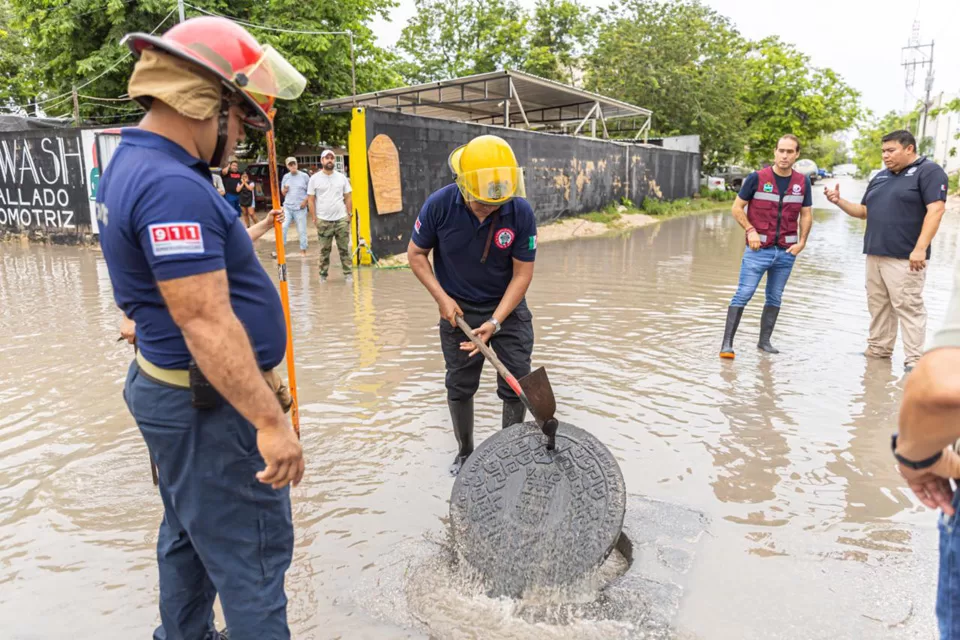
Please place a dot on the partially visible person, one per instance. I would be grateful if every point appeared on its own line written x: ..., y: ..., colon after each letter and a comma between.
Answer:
x: 906, y: 202
x: 218, y: 184
x: 231, y: 185
x: 331, y: 208
x: 774, y: 207
x: 246, y: 200
x: 293, y: 188
x: 926, y: 451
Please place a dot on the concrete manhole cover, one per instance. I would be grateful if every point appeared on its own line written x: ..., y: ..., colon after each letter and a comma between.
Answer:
x: 526, y: 517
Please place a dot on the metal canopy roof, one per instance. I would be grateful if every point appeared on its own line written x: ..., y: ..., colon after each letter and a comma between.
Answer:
x: 505, y: 98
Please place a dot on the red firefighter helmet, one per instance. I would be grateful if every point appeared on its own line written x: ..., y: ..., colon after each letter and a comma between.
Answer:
x: 258, y: 74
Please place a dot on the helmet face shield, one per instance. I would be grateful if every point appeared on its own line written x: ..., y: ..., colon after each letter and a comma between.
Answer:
x: 272, y: 75
x: 494, y: 186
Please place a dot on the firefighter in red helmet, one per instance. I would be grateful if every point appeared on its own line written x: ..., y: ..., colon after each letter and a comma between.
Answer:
x: 209, y: 328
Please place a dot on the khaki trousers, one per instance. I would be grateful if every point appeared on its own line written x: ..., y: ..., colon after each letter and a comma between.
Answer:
x: 894, y: 292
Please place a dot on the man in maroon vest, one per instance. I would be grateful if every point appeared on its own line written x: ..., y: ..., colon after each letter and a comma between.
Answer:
x: 774, y: 207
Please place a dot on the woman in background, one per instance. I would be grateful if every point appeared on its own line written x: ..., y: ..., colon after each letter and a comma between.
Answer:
x: 247, y: 209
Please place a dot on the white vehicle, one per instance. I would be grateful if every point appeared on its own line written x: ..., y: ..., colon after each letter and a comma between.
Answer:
x: 713, y: 183
x: 807, y: 168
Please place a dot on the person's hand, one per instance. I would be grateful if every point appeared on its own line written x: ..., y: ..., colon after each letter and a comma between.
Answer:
x: 918, y: 260
x: 797, y: 248
x: 833, y: 195
x: 128, y: 330
x: 275, y: 214
x: 449, y: 310
x: 283, y: 454
x: 753, y: 239
x: 484, y: 332
x: 303, y: 205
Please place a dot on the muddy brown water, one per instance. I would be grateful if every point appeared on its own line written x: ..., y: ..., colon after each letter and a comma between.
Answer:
x: 812, y: 534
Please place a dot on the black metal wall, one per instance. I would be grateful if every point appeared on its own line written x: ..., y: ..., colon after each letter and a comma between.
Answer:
x: 564, y: 175
x: 43, y: 182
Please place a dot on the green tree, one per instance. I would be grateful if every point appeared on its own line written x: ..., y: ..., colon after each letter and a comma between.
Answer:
x: 78, y: 41
x: 826, y: 151
x: 681, y: 60
x: 783, y: 93
x: 452, y: 38
x: 16, y: 65
x: 561, y: 30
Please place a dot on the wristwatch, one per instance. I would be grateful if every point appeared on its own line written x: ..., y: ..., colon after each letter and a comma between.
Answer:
x: 495, y: 323
x: 923, y: 464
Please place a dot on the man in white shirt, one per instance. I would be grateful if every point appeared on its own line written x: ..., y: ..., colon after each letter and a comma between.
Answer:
x: 330, y: 201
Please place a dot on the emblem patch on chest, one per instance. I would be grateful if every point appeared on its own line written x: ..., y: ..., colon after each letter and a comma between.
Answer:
x: 504, y: 238
x: 768, y: 187
x: 796, y: 189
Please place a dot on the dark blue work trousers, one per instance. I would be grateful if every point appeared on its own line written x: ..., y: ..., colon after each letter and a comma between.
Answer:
x: 222, y: 530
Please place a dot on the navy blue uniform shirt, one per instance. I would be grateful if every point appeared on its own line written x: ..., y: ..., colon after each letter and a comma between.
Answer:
x: 447, y: 226
x: 161, y: 219
x: 897, y: 205
x: 749, y: 187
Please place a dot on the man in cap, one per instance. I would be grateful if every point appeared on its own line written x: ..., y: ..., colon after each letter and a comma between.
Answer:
x: 209, y: 327
x: 330, y: 200
x: 293, y: 188
x: 484, y: 237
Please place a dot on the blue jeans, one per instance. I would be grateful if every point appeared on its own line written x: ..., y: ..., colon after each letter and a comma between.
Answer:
x: 300, y: 215
x: 773, y: 261
x: 222, y: 530
x: 948, y: 587
x: 233, y: 199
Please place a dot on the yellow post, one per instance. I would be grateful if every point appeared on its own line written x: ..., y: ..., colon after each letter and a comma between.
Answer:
x: 360, y: 183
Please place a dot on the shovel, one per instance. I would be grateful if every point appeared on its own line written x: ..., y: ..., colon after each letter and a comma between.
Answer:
x: 534, y: 389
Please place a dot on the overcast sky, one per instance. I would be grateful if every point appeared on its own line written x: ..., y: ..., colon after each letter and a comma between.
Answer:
x: 860, y: 39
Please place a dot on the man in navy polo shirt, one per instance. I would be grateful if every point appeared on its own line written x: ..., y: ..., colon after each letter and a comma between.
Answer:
x: 906, y: 202
x: 484, y: 237
x: 209, y: 327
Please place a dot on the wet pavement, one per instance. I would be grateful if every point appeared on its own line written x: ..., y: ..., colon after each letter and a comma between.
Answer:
x: 811, y: 532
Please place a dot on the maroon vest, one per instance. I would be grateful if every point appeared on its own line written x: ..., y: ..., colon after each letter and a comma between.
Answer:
x: 773, y: 214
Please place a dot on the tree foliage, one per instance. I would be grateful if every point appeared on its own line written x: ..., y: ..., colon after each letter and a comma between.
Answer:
x: 827, y: 151
x: 71, y: 43
x: 453, y: 38
x: 560, y: 32
x: 866, y: 148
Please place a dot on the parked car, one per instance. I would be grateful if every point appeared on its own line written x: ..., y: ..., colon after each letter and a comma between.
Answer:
x: 259, y: 173
x: 713, y: 183
x: 808, y: 168
x: 733, y: 175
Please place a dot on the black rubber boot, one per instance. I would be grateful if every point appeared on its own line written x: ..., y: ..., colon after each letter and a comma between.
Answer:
x: 733, y: 321
x: 513, y: 413
x: 767, y: 322
x: 461, y: 415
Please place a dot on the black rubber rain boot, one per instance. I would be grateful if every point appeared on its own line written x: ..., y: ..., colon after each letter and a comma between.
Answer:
x: 733, y: 321
x: 513, y: 413
x: 767, y: 322
x: 461, y: 414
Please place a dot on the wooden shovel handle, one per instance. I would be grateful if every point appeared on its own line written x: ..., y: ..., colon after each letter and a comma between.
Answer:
x: 490, y: 355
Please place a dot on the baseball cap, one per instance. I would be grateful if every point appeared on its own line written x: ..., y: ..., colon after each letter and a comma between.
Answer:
x: 326, y: 153
x: 289, y: 160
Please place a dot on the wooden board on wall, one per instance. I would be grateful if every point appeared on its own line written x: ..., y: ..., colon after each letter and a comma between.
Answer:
x: 385, y: 174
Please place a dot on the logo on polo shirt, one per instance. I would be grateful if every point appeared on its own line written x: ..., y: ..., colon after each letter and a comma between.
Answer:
x: 796, y: 188
x: 532, y: 245
x: 416, y: 225
x: 505, y: 238
x: 768, y: 187
x: 175, y: 238
x: 911, y: 171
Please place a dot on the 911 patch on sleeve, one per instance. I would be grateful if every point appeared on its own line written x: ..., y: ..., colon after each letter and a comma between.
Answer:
x: 175, y: 238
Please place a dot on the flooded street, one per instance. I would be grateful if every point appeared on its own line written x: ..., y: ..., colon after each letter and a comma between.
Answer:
x: 812, y: 533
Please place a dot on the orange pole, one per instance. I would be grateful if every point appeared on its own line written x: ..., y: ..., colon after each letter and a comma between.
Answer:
x: 282, y: 270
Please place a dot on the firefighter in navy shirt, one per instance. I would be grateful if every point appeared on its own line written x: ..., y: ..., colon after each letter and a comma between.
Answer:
x: 209, y: 327
x: 483, y: 235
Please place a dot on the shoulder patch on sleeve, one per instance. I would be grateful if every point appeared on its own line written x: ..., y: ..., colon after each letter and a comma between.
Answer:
x: 173, y: 238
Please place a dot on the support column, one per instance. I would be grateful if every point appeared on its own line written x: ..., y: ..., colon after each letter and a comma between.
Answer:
x: 360, y: 183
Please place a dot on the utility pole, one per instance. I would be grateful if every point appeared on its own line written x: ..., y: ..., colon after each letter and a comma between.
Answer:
x: 76, y: 108
x: 918, y: 55
x: 180, y: 8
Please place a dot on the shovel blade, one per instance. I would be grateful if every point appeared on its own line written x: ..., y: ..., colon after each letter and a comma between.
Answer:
x: 537, y: 388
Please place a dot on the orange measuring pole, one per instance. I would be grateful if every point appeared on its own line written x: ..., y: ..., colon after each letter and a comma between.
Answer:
x: 282, y: 272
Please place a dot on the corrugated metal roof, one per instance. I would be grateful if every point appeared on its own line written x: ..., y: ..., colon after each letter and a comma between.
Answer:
x: 481, y: 98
